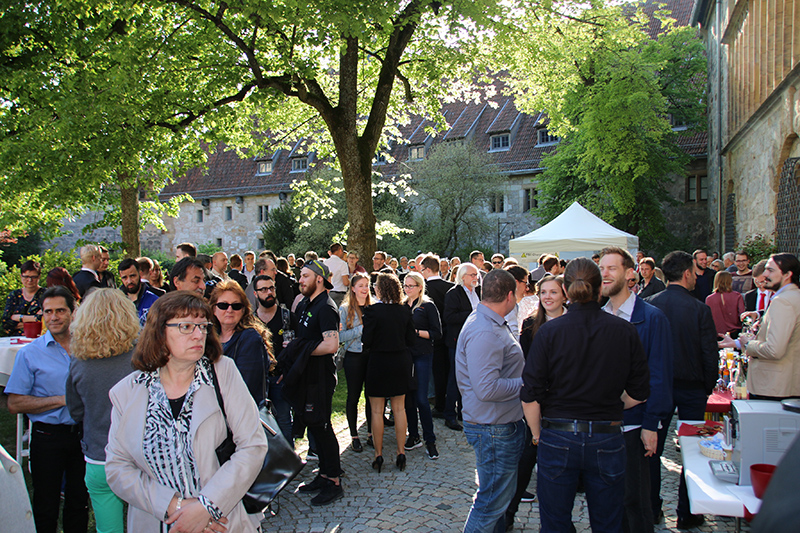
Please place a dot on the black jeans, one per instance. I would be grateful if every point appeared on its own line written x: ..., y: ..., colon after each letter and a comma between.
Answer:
x: 327, y: 447
x: 55, y: 455
x: 638, y: 517
x: 355, y: 373
x: 440, y: 368
x: 524, y: 472
x: 691, y: 404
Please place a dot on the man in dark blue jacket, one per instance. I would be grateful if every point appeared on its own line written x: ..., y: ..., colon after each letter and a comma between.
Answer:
x: 694, y: 339
x: 641, y: 422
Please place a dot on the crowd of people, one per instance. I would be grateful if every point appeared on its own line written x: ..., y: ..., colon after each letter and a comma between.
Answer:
x: 577, y: 366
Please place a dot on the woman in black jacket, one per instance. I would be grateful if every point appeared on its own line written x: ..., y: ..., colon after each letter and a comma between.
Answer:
x: 428, y: 328
x: 388, y: 333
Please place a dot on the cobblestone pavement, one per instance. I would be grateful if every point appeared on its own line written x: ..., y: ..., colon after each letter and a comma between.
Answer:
x: 431, y: 496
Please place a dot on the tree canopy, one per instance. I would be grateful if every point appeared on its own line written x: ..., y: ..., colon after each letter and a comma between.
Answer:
x: 610, y: 91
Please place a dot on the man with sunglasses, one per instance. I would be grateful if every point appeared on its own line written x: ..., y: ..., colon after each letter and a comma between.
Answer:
x: 278, y: 319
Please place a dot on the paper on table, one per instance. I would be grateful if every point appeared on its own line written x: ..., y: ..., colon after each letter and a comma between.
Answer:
x: 746, y: 496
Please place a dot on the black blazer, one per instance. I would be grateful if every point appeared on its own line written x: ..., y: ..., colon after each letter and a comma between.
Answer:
x: 388, y: 328
x: 654, y: 287
x: 750, y: 300
x: 84, y: 280
x: 238, y: 277
x: 436, y: 289
x: 456, y: 310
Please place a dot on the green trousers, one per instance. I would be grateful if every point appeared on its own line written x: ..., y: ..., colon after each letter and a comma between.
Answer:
x: 106, y: 505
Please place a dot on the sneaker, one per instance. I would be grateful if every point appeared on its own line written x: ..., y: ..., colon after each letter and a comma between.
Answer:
x: 433, y: 453
x: 318, y: 483
x: 329, y: 494
x: 413, y: 442
x: 312, y: 455
x: 527, y: 497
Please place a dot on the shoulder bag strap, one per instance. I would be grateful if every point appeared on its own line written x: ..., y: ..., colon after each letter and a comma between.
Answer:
x: 215, y: 381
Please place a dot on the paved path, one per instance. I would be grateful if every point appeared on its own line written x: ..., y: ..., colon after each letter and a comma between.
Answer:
x: 431, y: 496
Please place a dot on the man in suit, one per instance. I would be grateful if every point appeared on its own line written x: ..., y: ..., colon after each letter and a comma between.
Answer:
x: 459, y: 302
x: 87, y: 277
x: 650, y: 284
x: 774, y: 371
x: 758, y: 299
x: 694, y: 339
x: 436, y: 288
x: 236, y: 271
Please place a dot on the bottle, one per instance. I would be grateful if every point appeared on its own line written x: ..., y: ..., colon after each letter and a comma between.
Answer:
x: 740, y: 388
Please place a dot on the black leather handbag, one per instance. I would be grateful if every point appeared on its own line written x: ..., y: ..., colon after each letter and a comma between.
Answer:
x: 281, y: 464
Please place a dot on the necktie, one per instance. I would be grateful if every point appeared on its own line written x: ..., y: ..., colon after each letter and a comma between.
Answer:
x: 761, y: 301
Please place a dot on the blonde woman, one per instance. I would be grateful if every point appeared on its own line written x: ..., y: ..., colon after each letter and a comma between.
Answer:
x: 104, y: 333
x: 355, y: 357
x: 428, y: 328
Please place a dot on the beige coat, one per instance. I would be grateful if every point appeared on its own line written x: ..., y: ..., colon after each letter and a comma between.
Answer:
x: 131, y: 478
x: 775, y: 352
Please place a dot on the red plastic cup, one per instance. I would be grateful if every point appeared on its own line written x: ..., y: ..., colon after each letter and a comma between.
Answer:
x: 760, y: 474
x: 32, y: 329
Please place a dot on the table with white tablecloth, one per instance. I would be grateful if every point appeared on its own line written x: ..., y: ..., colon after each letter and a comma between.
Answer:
x: 9, y: 346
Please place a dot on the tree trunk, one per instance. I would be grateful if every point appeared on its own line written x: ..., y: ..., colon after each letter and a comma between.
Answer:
x: 129, y: 199
x: 357, y: 178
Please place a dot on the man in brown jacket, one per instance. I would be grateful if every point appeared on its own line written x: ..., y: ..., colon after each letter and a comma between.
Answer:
x: 774, y: 372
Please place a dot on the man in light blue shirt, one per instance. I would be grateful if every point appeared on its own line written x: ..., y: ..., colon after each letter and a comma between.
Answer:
x: 489, y: 364
x: 37, y: 386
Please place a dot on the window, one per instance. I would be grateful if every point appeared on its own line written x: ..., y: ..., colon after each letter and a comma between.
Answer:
x: 677, y: 123
x: 529, y: 200
x: 380, y: 158
x: 199, y: 215
x: 228, y: 212
x: 415, y: 153
x: 546, y: 138
x: 261, y: 244
x: 500, y: 142
x: 263, y: 213
x: 142, y: 194
x: 264, y: 167
x: 299, y: 164
x: 219, y: 243
x: 697, y: 188
x: 497, y: 203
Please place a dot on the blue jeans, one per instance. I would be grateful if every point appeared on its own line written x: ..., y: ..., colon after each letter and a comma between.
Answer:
x: 563, y: 457
x: 418, y: 400
x: 498, y: 448
x: 281, y: 408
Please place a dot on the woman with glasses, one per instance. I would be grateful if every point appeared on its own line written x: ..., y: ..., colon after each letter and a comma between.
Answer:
x: 24, y: 305
x: 428, y: 328
x: 244, y: 338
x: 355, y: 357
x: 166, y: 424
x: 388, y: 333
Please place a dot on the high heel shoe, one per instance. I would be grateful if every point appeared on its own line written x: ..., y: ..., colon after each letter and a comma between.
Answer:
x: 401, y: 462
x: 377, y: 464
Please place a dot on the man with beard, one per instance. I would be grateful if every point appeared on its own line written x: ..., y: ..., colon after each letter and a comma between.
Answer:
x: 774, y: 372
x: 318, y: 321
x: 694, y: 369
x: 641, y: 422
x: 277, y: 319
x: 705, y: 276
x: 133, y: 287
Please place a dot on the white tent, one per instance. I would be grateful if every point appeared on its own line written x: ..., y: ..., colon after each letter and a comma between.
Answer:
x: 574, y: 233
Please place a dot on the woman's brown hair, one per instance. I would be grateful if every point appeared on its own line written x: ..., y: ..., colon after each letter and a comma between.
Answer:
x: 582, y: 279
x: 151, y: 352
x: 351, y: 301
x: 389, y: 288
x: 248, y: 320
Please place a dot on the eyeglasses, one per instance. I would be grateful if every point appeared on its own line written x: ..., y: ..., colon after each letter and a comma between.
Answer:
x: 30, y: 277
x: 262, y: 289
x: 410, y: 286
x: 225, y: 305
x: 497, y: 262
x: 187, y: 328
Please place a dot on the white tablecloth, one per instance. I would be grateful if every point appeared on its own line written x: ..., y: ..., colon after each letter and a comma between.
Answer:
x: 8, y: 352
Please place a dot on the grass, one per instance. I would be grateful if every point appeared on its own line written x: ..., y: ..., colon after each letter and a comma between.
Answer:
x: 8, y: 428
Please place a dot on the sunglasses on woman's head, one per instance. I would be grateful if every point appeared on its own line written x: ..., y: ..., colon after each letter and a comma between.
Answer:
x: 225, y: 305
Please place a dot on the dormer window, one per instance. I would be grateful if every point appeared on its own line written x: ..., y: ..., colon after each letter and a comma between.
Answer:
x: 299, y: 164
x: 264, y: 167
x: 500, y: 142
x: 380, y: 158
x: 417, y: 152
x: 546, y: 138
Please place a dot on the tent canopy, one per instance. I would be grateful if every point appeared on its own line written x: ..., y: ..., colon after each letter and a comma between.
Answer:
x: 574, y: 233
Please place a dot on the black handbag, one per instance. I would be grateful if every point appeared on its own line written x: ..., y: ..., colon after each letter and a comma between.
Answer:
x: 281, y: 464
